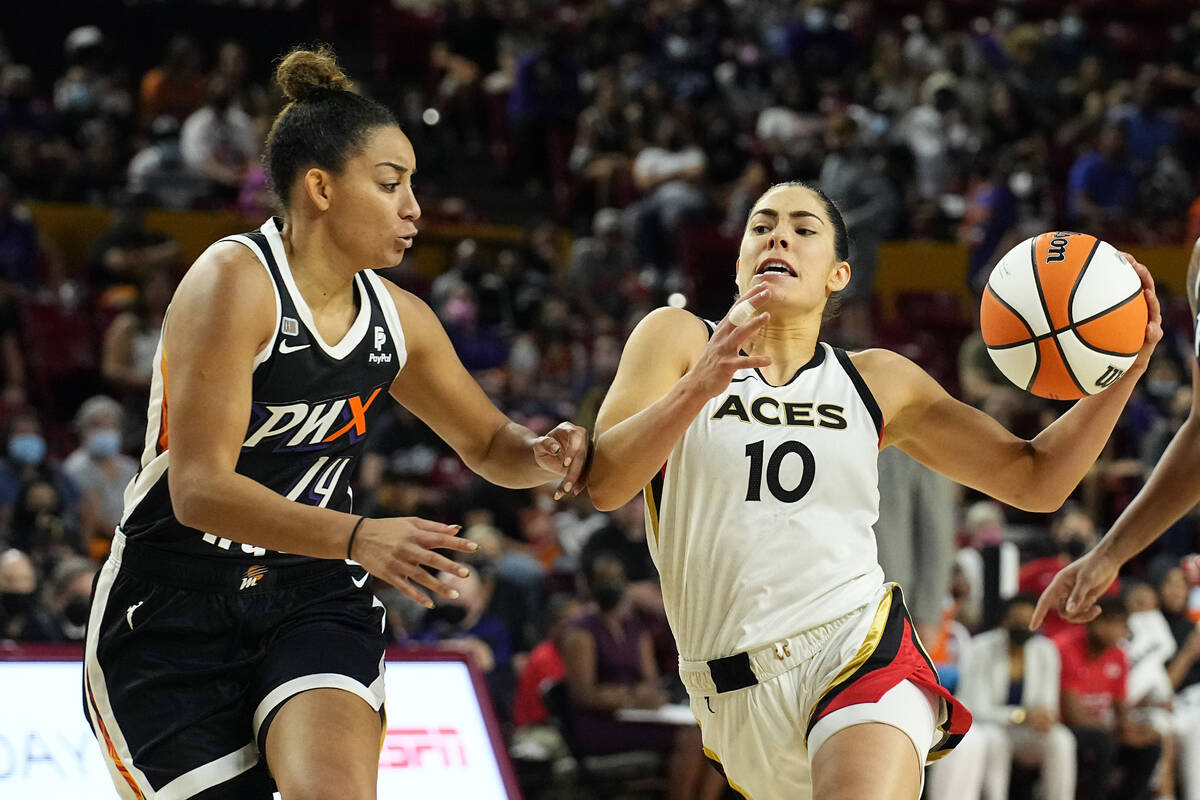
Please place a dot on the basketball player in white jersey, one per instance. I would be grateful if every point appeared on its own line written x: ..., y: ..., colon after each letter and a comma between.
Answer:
x: 756, y: 446
x: 233, y: 645
x: 1172, y: 490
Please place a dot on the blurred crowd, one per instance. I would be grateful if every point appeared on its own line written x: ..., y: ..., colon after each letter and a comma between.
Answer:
x: 645, y: 130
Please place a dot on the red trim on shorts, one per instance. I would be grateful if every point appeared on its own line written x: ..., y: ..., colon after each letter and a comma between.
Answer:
x: 898, y: 656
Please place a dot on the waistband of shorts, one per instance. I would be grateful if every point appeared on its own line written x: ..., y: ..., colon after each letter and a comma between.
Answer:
x: 220, y: 575
x: 752, y: 667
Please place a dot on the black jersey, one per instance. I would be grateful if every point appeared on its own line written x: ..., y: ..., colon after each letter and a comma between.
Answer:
x: 312, y: 406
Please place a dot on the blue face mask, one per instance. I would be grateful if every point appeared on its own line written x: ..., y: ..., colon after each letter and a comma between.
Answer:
x: 104, y: 442
x: 27, y: 448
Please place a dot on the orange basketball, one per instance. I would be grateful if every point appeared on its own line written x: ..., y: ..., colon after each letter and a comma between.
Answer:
x: 1063, y: 315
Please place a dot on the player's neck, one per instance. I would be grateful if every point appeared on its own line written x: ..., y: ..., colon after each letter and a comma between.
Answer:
x: 322, y: 272
x: 789, y: 343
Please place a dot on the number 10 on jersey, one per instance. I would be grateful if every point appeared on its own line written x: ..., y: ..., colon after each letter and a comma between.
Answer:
x: 755, y: 452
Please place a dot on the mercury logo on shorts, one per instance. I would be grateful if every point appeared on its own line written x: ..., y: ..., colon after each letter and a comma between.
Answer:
x: 253, y: 575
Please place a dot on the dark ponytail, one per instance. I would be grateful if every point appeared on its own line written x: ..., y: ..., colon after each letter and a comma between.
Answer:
x: 325, y: 121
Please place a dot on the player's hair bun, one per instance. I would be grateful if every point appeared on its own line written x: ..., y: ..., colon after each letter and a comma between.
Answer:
x: 303, y: 73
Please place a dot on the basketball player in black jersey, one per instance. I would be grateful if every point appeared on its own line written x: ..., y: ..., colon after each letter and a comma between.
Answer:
x: 233, y: 646
x: 1172, y: 490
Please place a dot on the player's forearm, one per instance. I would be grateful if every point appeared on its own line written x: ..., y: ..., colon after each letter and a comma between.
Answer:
x: 509, y: 460
x: 1173, y: 489
x: 232, y: 506
x: 628, y: 454
x: 1065, y: 451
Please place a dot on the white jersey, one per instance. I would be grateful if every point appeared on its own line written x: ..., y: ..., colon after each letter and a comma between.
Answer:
x: 760, y: 521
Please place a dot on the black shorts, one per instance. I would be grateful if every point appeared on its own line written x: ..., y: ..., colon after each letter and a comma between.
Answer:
x: 189, y: 659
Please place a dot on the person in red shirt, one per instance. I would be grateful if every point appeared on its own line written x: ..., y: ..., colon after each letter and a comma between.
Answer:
x: 1073, y: 533
x: 1092, y: 697
x: 544, y: 665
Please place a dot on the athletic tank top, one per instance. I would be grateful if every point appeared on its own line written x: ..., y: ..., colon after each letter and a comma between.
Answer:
x: 760, y: 521
x: 312, y: 406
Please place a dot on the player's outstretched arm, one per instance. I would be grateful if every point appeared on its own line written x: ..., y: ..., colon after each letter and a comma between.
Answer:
x: 436, y: 387
x: 973, y: 449
x: 666, y: 375
x: 220, y: 318
x: 1170, y: 492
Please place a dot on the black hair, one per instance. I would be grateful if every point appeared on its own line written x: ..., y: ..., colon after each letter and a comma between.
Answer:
x: 1018, y: 599
x: 325, y: 123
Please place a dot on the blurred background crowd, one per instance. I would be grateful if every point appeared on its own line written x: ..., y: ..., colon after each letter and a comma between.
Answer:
x: 620, y: 144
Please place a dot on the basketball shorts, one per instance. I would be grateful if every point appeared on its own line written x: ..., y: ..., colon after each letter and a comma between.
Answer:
x: 188, y: 660
x: 764, y: 713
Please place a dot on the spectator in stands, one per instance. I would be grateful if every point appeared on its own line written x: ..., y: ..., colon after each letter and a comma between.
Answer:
x: 89, y: 89
x: 988, y: 227
x: 1009, y: 678
x: 865, y: 199
x: 127, y: 353
x: 534, y: 737
x: 22, y: 615
x: 1183, y: 669
x: 668, y: 174
x: 26, y: 461
x: 100, y: 470
x: 610, y: 666
x: 176, y: 87
x: 1093, y: 697
x: 1072, y: 533
x: 70, y: 597
x: 600, y: 156
x: 159, y: 173
x: 1147, y: 125
x: 220, y: 140
x: 128, y: 254
x: 28, y: 260
x: 1102, y: 189
x: 601, y: 266
x: 233, y: 68
x: 468, y: 625
x: 45, y: 526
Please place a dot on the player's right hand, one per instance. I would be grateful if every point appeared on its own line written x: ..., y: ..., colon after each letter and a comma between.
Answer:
x: 1076, y: 588
x: 398, y: 549
x: 723, y: 355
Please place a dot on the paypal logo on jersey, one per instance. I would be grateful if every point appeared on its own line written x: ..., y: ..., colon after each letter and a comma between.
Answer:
x: 378, y: 357
x: 310, y: 426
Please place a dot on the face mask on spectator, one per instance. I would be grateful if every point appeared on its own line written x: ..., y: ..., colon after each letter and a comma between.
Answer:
x: 16, y: 603
x: 1018, y: 635
x: 76, y: 611
x: 27, y: 448
x: 1074, y: 547
x: 105, y: 442
x: 608, y: 596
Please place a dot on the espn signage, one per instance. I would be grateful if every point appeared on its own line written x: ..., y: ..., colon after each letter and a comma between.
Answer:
x: 440, y: 742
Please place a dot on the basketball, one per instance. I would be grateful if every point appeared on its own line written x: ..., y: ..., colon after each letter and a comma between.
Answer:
x: 1063, y: 315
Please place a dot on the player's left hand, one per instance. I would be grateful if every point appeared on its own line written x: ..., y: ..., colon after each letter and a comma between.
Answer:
x: 563, y: 451
x: 1154, y: 331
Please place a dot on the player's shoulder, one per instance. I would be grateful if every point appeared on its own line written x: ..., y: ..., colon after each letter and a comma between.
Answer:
x: 229, y: 264
x: 227, y: 279
x: 877, y: 361
x: 671, y: 324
